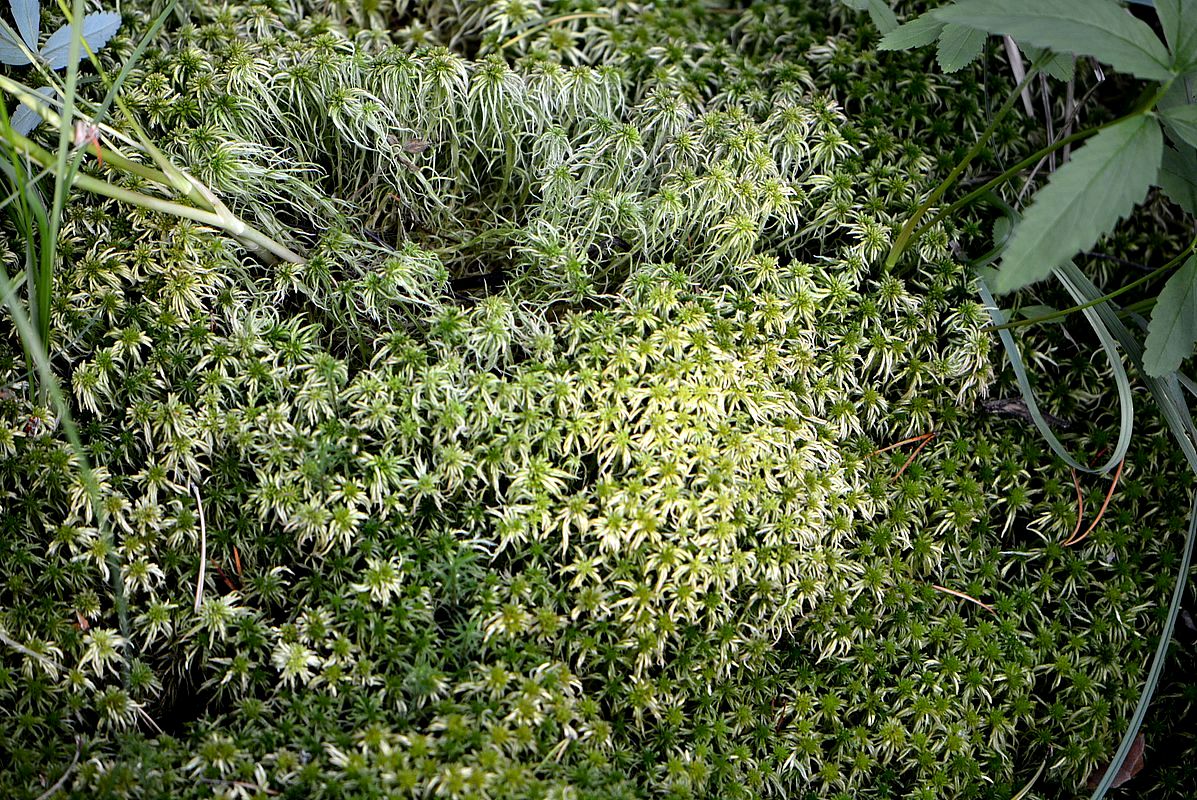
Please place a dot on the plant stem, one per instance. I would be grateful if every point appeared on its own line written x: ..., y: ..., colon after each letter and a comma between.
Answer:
x: 1007, y: 175
x: 1035, y: 158
x: 1155, y: 273
x: 900, y: 243
x: 255, y: 240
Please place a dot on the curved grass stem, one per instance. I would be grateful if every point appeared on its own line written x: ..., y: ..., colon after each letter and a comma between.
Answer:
x: 1058, y: 315
x: 904, y: 235
x: 211, y: 212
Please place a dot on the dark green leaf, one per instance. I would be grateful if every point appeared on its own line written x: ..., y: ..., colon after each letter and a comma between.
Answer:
x: 1098, y: 28
x: 1061, y: 66
x: 1001, y: 230
x: 879, y: 12
x: 1037, y: 311
x: 1083, y: 200
x: 1183, y: 121
x: 919, y: 32
x: 1178, y: 18
x: 959, y: 46
x: 882, y: 15
x: 1173, y: 329
x: 1182, y: 92
x: 1178, y: 177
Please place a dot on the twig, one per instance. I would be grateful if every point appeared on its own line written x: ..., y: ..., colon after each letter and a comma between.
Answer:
x: 70, y: 768
x: 896, y: 445
x: 1102, y: 511
x: 964, y: 596
x: 1069, y: 108
x: 1080, y: 504
x: 1047, y: 118
x: 199, y: 585
x: 1017, y: 407
x: 926, y: 440
x: 1020, y: 74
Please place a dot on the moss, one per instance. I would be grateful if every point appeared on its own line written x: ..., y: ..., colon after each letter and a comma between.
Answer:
x: 552, y: 472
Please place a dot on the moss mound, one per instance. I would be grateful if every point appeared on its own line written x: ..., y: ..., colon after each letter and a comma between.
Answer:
x: 554, y: 471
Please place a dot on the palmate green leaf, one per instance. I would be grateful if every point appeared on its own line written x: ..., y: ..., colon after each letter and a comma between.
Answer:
x: 1173, y: 329
x: 1178, y: 177
x: 919, y: 32
x: 1098, y: 28
x: 1178, y: 18
x: 1083, y: 200
x: 959, y: 46
x: 1183, y: 121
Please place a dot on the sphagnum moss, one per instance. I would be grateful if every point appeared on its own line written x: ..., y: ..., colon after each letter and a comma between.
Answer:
x: 550, y: 473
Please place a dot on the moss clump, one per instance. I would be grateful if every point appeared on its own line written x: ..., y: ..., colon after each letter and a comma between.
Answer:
x: 551, y: 473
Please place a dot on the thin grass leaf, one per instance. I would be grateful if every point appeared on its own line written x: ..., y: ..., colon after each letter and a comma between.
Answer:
x: 1083, y: 200
x: 1095, y: 314
x: 963, y: 596
x: 1182, y: 120
x: 1014, y: 56
x: 959, y: 46
x: 1098, y: 28
x: 97, y: 30
x: 1131, y: 767
x: 1173, y: 329
x: 1169, y: 397
x: 1126, y: 421
x: 919, y: 32
x: 1025, y: 790
x: 1178, y: 177
x: 28, y: 16
x: 1165, y: 390
x: 1178, y: 18
x: 65, y: 170
x: 1127, y: 745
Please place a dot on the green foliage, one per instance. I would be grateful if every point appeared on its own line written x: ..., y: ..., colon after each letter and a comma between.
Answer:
x: 1173, y: 330
x: 1182, y: 120
x: 550, y: 471
x: 880, y: 14
x: 1178, y: 177
x: 1179, y: 22
x: 1100, y: 185
x: 1098, y: 28
x: 959, y: 46
x: 1112, y: 174
x: 918, y: 32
